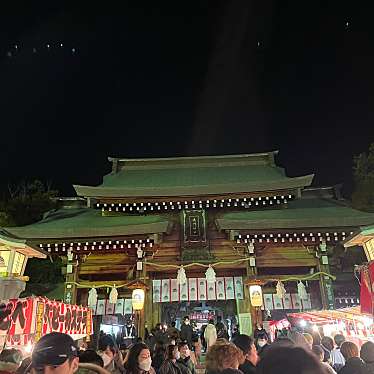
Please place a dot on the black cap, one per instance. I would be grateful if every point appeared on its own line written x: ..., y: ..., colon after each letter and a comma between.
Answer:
x: 53, y: 350
x: 244, y: 342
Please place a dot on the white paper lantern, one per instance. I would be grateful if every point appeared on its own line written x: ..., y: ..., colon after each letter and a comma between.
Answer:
x: 138, y: 297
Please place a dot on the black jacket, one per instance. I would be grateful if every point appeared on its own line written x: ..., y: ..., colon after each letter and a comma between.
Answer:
x: 248, y: 368
x: 186, y: 333
x: 353, y: 365
x: 369, y: 367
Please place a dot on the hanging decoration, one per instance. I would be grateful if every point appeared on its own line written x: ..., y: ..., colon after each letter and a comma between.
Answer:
x: 113, y: 296
x: 181, y: 276
x: 301, y: 290
x: 280, y: 290
x: 210, y: 275
x: 92, y: 298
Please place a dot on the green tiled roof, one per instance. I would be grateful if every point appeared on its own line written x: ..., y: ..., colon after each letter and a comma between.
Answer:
x: 301, y: 213
x: 81, y: 223
x: 188, y: 176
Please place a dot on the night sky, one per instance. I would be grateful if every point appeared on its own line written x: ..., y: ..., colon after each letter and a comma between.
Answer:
x: 153, y: 79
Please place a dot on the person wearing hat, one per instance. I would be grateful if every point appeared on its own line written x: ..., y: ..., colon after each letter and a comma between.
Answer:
x: 55, y: 353
x: 249, y: 357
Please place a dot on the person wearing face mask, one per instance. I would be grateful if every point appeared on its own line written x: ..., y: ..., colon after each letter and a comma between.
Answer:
x: 112, y: 359
x: 185, y: 357
x: 170, y: 365
x: 262, y: 344
x: 138, y: 360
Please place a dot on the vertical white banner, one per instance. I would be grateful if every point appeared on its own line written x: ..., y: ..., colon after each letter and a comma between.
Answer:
x: 268, y: 301
x: 100, y: 308
x: 120, y: 304
x: 128, y: 306
x: 220, y: 283
x: 192, y: 288
x: 278, y: 302
x: 109, y: 308
x: 287, y: 302
x: 174, y: 290
x: 184, y: 291
x: 238, y: 288
x: 165, y: 290
x: 307, y: 303
x: 202, y: 290
x: 230, y: 292
x: 156, y: 291
x: 211, y: 291
x: 296, y: 302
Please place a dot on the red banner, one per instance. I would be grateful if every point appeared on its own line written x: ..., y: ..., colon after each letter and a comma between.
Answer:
x: 31, y: 318
x: 367, y: 289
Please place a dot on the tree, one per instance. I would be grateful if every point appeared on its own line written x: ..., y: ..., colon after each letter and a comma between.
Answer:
x: 363, y: 173
x: 26, y: 203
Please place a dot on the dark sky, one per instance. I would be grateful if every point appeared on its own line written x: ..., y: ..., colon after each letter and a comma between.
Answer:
x: 184, y: 78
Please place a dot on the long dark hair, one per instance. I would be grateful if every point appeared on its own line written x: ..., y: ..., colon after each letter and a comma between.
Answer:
x: 131, y: 363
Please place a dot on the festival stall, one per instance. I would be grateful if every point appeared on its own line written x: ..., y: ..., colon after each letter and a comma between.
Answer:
x: 27, y: 320
x: 350, y: 322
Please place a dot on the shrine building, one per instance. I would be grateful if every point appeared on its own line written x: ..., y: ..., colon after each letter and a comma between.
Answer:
x: 239, y: 215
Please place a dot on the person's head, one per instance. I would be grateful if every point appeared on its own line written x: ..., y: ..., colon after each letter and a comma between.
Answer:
x: 172, y: 352
x: 339, y: 339
x: 290, y: 360
x: 138, y: 358
x: 262, y: 340
x: 219, y: 319
x: 367, y: 352
x: 11, y: 356
x: 259, y: 326
x: 25, y: 367
x: 55, y: 353
x: 158, y: 326
x: 247, y: 348
x: 328, y: 343
x: 318, y: 351
x: 309, y: 339
x: 91, y: 357
x: 184, y: 349
x: 173, y: 324
x: 349, y: 350
x: 223, y: 356
x: 211, y: 321
x: 186, y: 320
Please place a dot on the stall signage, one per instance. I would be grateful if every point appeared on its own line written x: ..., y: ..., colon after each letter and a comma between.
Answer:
x: 39, y: 316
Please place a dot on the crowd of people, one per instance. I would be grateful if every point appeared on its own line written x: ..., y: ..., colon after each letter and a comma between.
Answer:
x: 172, y: 351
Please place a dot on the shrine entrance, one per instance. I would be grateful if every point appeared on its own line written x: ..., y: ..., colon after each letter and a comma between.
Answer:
x: 200, y: 312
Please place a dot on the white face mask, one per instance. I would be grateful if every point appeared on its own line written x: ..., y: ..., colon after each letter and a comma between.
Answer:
x: 187, y: 322
x: 106, y: 359
x: 261, y: 343
x: 145, y: 364
x: 177, y: 355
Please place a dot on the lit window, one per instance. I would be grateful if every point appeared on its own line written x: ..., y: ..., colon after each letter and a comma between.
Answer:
x: 19, y: 259
x: 369, y: 249
x: 4, y: 261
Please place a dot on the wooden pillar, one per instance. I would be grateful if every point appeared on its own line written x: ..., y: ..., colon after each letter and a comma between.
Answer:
x: 250, y: 314
x: 70, y: 292
x: 325, y: 283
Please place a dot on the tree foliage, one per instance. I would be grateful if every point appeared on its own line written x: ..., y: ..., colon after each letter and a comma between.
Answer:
x: 363, y: 172
x: 26, y: 203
